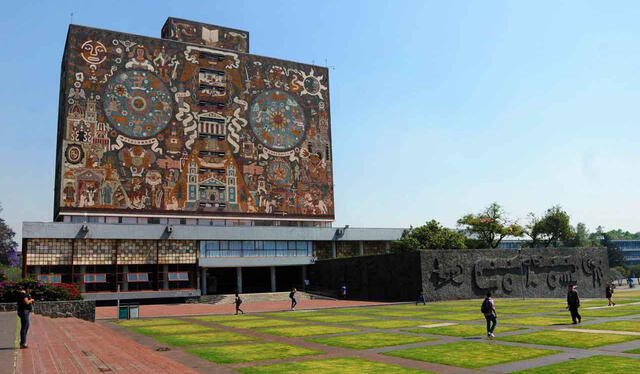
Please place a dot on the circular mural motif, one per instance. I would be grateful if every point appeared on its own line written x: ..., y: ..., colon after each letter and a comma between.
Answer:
x: 277, y: 120
x: 74, y: 154
x: 137, y: 104
x: 312, y: 85
x: 279, y: 173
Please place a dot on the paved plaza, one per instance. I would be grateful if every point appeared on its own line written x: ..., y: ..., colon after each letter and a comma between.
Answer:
x: 533, y: 336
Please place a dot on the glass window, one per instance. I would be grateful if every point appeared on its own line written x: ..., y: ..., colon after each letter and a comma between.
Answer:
x: 89, y: 278
x: 143, y: 277
x: 173, y: 276
x: 155, y: 221
x: 217, y: 222
x: 101, y: 278
x: 143, y: 220
x: 224, y: 245
x: 174, y: 221
x: 259, y: 245
x: 183, y: 276
x: 55, y: 278
x: 269, y: 244
x: 129, y: 220
x: 248, y: 245
x: 281, y: 244
x: 78, y: 219
x: 138, y: 277
x: 235, y: 244
x: 204, y: 222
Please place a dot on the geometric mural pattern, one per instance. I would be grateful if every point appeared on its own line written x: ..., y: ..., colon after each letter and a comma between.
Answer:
x: 159, y: 126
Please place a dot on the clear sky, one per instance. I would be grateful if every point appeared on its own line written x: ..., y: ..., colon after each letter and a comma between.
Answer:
x: 438, y: 107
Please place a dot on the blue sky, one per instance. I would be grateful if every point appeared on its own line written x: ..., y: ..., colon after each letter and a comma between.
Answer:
x: 438, y: 108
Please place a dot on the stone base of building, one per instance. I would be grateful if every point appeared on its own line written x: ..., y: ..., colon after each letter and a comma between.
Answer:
x: 83, y: 309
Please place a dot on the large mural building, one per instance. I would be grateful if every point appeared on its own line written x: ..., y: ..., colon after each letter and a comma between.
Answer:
x: 190, y: 125
x: 188, y: 167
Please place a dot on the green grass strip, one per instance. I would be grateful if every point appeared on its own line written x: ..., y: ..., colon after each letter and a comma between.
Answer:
x: 371, y: 340
x: 461, y: 330
x: 229, y: 354
x: 207, y: 338
x: 172, y: 329
x: 471, y: 355
x: 342, y: 365
x: 311, y: 330
x: 569, y: 339
x: 589, y: 365
x: 151, y: 322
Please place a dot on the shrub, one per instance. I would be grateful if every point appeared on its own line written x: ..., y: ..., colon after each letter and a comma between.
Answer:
x: 40, y: 291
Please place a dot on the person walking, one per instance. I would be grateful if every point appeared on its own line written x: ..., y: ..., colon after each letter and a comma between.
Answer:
x: 343, y: 292
x: 609, y: 293
x: 420, y: 298
x: 488, y: 308
x: 573, y: 303
x: 294, y: 301
x: 238, y: 302
x: 25, y: 307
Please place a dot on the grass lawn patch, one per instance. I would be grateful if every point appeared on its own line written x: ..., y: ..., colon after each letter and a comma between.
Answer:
x: 309, y: 330
x: 361, y: 310
x: 569, y: 339
x: 151, y: 322
x: 529, y: 310
x: 342, y: 365
x: 589, y: 365
x: 613, y: 312
x: 471, y: 355
x: 337, y: 318
x: 172, y: 329
x: 388, y: 324
x: 258, y: 323
x: 294, y: 314
x: 631, y: 325
x: 634, y: 351
x: 537, y: 320
x: 226, y: 318
x: 406, y: 313
x: 461, y: 330
x: 229, y: 354
x: 208, y: 338
x: 458, y: 316
x: 370, y: 340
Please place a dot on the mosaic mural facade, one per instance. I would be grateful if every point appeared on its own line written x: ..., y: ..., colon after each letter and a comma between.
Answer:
x: 162, y: 126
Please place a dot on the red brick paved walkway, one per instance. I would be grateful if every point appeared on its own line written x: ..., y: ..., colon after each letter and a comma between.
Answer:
x: 177, y: 310
x: 69, y: 345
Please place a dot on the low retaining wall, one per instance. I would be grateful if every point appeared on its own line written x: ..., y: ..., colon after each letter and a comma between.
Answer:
x: 464, y: 274
x: 82, y: 309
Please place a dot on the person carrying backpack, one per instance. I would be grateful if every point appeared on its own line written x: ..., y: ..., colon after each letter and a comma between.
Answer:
x: 238, y: 301
x: 609, y: 293
x: 488, y: 308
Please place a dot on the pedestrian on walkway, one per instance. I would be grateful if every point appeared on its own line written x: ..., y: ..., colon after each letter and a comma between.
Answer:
x: 343, y: 292
x: 488, y: 308
x: 294, y: 301
x: 238, y: 301
x: 420, y: 298
x: 609, y: 293
x: 25, y: 307
x: 573, y: 303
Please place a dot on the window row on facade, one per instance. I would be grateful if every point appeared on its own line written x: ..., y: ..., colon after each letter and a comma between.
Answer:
x: 248, y: 248
x: 192, y: 221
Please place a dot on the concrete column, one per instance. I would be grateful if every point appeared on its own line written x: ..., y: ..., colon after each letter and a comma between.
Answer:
x: 273, y: 279
x: 165, y: 281
x: 361, y: 247
x: 125, y: 282
x: 82, y: 269
x: 333, y: 250
x: 239, y: 280
x: 203, y: 281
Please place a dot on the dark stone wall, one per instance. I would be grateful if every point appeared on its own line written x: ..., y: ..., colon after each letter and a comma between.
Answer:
x: 464, y: 274
x: 82, y: 309
x: 535, y: 272
x: 392, y: 277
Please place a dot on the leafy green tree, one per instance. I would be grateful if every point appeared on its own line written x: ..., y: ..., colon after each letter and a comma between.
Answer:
x: 490, y: 226
x: 432, y: 235
x: 8, y: 246
x: 551, y: 229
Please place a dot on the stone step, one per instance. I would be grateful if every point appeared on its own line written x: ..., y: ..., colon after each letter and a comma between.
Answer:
x: 258, y: 297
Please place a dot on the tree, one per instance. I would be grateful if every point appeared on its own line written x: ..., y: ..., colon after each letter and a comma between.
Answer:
x: 552, y: 228
x: 432, y: 235
x: 490, y: 226
x: 582, y: 238
x: 8, y: 246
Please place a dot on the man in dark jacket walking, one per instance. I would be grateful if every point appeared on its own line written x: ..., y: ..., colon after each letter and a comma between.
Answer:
x: 573, y: 303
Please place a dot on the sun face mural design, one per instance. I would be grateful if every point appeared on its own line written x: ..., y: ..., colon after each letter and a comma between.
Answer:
x: 277, y: 120
x: 180, y: 127
x: 137, y: 104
